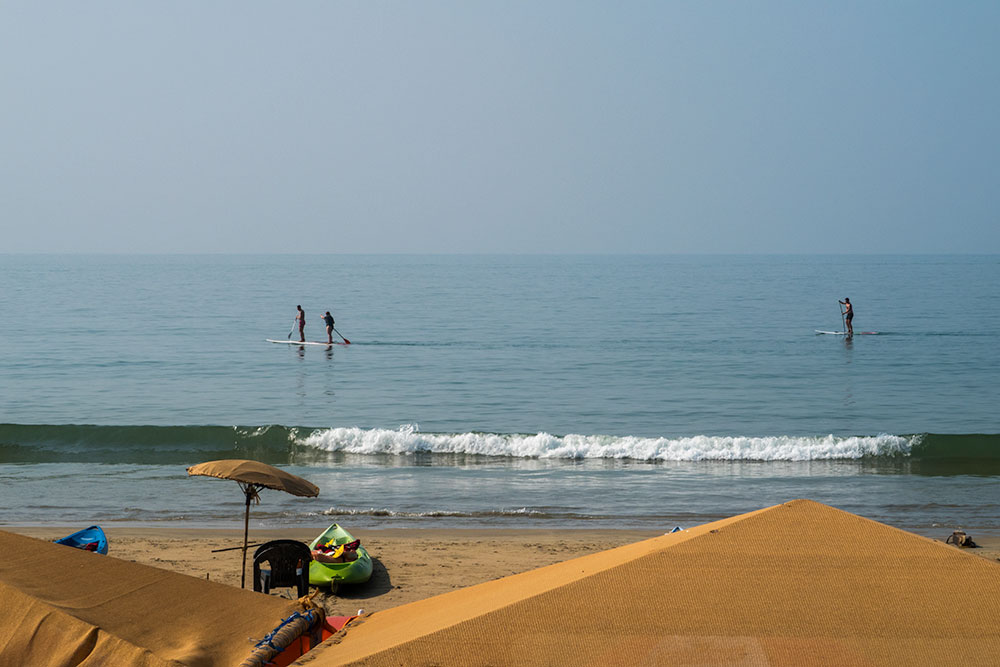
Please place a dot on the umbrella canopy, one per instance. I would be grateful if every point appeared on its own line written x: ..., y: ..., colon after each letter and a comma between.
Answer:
x: 258, y: 474
x: 62, y: 606
x: 795, y: 584
x: 253, y: 476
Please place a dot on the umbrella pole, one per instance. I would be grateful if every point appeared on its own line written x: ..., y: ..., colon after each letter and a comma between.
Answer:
x: 246, y: 531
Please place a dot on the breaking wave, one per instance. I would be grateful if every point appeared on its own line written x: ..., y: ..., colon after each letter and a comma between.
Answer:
x: 408, y: 440
x: 277, y: 444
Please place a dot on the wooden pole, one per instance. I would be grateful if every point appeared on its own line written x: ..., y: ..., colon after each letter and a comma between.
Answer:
x: 246, y: 532
x: 255, y: 544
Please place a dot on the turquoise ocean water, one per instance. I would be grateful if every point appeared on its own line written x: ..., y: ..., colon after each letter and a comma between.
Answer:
x: 507, y: 391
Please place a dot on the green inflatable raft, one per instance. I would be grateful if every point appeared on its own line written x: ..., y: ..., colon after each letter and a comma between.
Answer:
x: 353, y: 566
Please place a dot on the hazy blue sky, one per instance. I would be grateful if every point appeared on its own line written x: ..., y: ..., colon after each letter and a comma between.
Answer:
x: 501, y: 126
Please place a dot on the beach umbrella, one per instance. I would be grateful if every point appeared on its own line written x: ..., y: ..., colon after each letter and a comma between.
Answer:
x: 795, y: 584
x: 252, y: 476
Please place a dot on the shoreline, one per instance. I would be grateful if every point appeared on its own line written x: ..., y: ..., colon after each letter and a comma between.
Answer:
x: 410, y: 564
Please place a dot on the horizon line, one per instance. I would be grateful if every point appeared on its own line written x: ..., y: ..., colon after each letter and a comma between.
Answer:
x: 495, y: 254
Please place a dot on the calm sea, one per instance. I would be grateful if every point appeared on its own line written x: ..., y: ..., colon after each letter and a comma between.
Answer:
x: 507, y: 391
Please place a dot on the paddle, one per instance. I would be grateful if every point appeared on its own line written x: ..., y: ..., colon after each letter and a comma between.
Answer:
x: 289, y: 336
x: 346, y: 342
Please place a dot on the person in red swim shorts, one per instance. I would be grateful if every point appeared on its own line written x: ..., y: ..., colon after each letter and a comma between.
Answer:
x: 301, y: 317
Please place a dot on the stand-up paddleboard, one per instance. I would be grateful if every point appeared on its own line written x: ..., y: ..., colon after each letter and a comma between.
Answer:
x: 847, y: 333
x: 307, y: 342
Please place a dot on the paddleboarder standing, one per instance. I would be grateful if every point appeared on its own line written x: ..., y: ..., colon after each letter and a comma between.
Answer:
x: 848, y: 315
x: 301, y: 317
x: 328, y: 320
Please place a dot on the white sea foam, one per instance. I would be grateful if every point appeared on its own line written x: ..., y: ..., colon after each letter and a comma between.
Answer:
x: 409, y: 440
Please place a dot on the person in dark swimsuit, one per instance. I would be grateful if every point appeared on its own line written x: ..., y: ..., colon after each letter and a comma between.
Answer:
x: 328, y: 320
x: 301, y: 317
x: 848, y: 315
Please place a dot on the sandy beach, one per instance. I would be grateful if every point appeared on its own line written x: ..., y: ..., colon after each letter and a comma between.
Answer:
x: 410, y: 564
